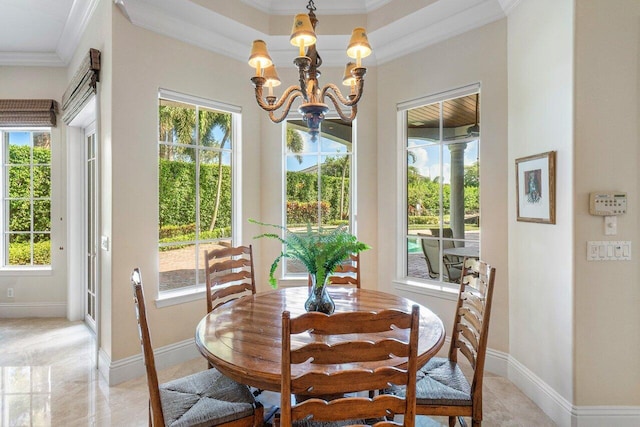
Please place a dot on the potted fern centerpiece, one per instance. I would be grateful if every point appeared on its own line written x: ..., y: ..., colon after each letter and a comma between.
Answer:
x: 321, y: 251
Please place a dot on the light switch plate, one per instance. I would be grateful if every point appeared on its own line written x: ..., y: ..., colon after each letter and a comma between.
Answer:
x: 609, y: 250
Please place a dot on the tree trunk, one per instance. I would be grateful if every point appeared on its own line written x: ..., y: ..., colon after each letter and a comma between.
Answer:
x: 214, y: 217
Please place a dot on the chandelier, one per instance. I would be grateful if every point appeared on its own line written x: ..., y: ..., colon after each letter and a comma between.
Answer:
x: 313, y: 107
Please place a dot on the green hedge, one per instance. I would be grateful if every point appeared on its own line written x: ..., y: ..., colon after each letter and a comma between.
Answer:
x: 20, y: 253
x: 187, y: 233
x: 177, y: 198
x: 302, y: 188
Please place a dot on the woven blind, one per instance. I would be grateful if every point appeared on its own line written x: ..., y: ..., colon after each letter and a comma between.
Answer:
x: 82, y: 86
x: 28, y: 112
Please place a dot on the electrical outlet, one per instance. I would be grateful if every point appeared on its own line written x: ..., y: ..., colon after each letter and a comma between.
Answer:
x: 9, y: 292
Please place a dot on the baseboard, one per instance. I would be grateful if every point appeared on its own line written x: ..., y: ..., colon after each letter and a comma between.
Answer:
x: 559, y: 409
x: 497, y: 362
x: 133, y: 367
x: 610, y: 416
x: 33, y: 309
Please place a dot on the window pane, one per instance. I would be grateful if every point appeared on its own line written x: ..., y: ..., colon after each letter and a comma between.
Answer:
x: 195, y: 189
x: 27, y: 198
x: 41, y: 181
x: 215, y: 129
x: 177, y: 266
x: 177, y: 200
x: 19, y: 181
x: 42, y: 215
x: 19, y: 215
x: 442, y: 188
x: 177, y: 122
x: 302, y: 190
x: 334, y: 185
x: 318, y: 175
x: 423, y: 188
x: 42, y: 249
x: 19, y: 147
x: 215, y: 194
x: 19, y: 249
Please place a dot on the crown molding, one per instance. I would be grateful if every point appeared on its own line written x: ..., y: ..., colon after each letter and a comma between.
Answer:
x: 76, y: 24
x: 31, y: 59
x: 74, y: 27
x: 328, y: 7
x: 194, y: 24
x: 509, y: 5
x: 202, y: 27
x: 430, y: 25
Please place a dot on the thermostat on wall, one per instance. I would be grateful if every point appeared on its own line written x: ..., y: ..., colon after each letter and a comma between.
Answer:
x: 607, y: 203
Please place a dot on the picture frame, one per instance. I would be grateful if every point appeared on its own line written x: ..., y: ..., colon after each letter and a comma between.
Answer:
x: 536, y: 188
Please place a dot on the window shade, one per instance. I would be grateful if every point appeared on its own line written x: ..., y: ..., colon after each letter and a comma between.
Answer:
x: 82, y: 86
x: 28, y: 112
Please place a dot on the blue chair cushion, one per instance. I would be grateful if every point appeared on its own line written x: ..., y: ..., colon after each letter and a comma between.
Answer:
x: 203, y: 399
x: 440, y: 382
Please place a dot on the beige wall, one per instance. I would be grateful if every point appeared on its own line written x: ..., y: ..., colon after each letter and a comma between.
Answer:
x: 478, y: 56
x: 143, y: 62
x: 607, y: 318
x: 47, y: 289
x: 541, y: 256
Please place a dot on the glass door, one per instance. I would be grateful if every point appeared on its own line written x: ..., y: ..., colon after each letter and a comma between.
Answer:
x: 91, y: 235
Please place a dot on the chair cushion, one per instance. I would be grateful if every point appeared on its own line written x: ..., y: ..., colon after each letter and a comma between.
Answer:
x: 203, y: 399
x: 440, y: 382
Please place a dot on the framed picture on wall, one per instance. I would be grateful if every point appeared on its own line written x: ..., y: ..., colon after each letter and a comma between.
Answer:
x: 536, y: 188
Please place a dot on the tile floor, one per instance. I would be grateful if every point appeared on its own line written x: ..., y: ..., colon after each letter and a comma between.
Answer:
x: 47, y: 379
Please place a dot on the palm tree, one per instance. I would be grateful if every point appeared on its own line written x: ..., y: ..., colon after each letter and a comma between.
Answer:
x: 295, y: 143
x: 222, y: 121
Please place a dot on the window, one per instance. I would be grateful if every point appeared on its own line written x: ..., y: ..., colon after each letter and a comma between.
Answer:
x: 26, y: 197
x: 442, y: 185
x: 319, y: 189
x: 196, y: 154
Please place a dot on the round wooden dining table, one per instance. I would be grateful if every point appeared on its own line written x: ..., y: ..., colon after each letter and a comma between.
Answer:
x: 243, y: 337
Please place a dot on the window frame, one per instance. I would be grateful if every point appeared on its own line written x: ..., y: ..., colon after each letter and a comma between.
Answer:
x: 5, y: 267
x: 353, y: 185
x: 196, y: 291
x: 433, y: 287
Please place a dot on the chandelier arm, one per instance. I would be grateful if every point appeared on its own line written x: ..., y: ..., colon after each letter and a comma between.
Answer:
x: 346, y: 102
x: 286, y: 109
x: 274, y: 106
x: 334, y: 101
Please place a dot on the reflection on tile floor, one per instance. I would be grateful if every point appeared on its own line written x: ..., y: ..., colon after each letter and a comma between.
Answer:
x: 47, y: 378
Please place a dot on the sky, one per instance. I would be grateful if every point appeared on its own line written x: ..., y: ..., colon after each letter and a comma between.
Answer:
x: 427, y: 158
x: 310, y: 151
x: 19, y: 138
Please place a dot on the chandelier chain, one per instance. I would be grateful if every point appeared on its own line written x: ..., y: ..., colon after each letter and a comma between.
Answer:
x: 311, y: 7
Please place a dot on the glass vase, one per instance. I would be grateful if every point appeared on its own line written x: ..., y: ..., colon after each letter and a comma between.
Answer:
x: 319, y: 299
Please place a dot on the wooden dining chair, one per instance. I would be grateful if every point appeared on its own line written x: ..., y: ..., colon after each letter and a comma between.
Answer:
x: 346, y: 274
x: 229, y: 274
x: 204, y: 398
x: 337, y: 341
x: 442, y: 389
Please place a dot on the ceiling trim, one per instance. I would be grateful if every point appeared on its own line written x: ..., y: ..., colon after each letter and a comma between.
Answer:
x: 31, y: 59
x: 81, y: 12
x: 430, y: 25
x: 328, y: 7
x: 197, y: 25
x: 77, y: 21
x: 193, y: 24
x: 509, y: 5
